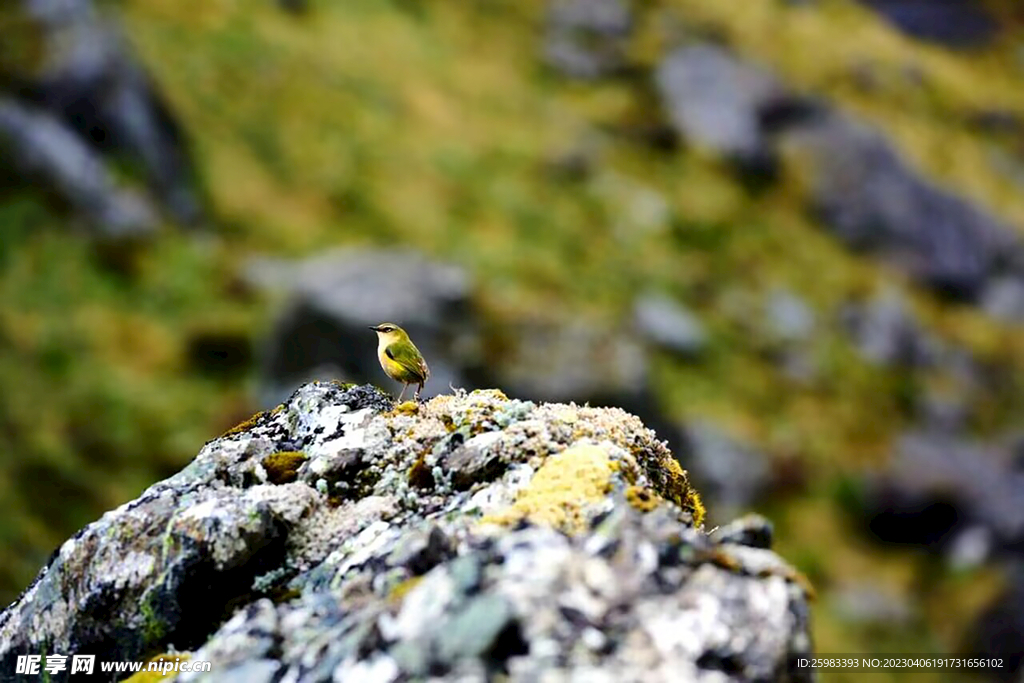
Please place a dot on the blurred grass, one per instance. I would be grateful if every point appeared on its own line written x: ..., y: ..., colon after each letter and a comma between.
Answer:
x: 392, y: 123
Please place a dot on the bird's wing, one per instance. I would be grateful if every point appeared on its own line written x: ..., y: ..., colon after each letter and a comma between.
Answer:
x: 410, y: 360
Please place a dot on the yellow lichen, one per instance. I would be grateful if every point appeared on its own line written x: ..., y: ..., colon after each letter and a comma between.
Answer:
x: 399, y: 592
x: 282, y: 467
x: 145, y: 676
x: 407, y: 408
x: 562, y: 489
x: 793, y: 576
x: 642, y: 498
x: 497, y: 394
x: 670, y: 481
x: 724, y: 560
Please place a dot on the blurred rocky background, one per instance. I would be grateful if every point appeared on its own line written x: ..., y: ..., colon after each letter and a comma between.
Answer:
x: 788, y: 235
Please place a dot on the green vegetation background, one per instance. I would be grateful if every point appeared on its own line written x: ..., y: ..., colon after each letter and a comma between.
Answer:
x: 436, y: 126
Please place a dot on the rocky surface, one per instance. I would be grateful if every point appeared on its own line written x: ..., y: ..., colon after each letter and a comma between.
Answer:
x: 339, y: 537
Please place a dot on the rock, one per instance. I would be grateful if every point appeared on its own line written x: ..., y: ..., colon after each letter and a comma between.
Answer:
x: 587, y: 38
x: 717, y: 102
x: 576, y: 361
x: 954, y: 23
x: 750, y: 530
x: 667, y: 324
x: 872, y: 200
x: 999, y: 630
x: 552, y: 566
x: 1004, y: 299
x: 731, y: 473
x: 789, y: 331
x: 474, y: 460
x: 858, y: 183
x: 477, y: 628
x: 942, y: 491
x: 887, y: 333
x: 322, y: 333
x: 789, y: 318
x: 864, y: 603
x: 42, y: 150
x: 296, y: 7
x: 81, y: 78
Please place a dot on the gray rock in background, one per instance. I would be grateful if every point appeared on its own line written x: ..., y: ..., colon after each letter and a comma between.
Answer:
x: 716, y: 101
x: 999, y: 629
x: 790, y: 330
x: 872, y: 200
x: 938, y: 486
x: 42, y: 150
x: 860, y: 185
x: 732, y: 473
x: 574, y: 361
x: 789, y: 318
x: 669, y: 325
x: 886, y: 332
x: 587, y: 38
x: 572, y: 561
x: 85, y: 80
x: 1004, y: 299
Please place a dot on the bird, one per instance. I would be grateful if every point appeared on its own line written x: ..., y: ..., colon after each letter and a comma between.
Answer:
x: 400, y: 358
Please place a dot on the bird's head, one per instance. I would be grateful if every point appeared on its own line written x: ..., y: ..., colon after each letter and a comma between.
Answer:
x: 390, y: 332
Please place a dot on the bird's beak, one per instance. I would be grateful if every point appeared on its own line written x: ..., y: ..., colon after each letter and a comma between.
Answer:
x: 374, y: 328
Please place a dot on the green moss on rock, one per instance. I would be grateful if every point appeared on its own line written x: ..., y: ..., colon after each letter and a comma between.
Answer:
x: 246, y: 425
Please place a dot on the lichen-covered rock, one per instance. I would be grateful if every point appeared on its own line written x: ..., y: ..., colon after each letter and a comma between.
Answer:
x: 338, y: 537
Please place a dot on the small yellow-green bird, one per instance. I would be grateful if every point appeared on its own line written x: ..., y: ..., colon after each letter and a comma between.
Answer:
x: 400, y: 358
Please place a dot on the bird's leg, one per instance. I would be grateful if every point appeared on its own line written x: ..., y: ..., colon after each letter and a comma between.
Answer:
x: 418, y: 390
x: 404, y: 387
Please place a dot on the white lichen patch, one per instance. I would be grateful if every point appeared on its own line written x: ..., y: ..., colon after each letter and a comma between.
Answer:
x: 132, y: 569
x: 289, y: 502
x: 328, y: 528
x: 421, y: 609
